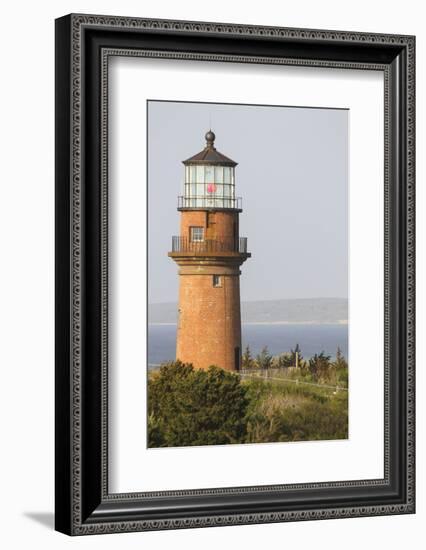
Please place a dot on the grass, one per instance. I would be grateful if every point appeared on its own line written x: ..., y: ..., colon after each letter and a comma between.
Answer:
x: 292, y: 405
x: 285, y: 411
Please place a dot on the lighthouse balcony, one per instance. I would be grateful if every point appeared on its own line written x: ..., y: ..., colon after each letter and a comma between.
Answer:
x: 210, y: 246
x: 209, y: 203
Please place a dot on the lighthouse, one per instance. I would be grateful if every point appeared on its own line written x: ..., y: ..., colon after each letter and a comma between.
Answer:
x: 209, y: 252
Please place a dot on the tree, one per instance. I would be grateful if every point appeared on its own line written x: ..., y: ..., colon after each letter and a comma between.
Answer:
x: 188, y: 406
x: 319, y: 366
x: 292, y: 359
x: 340, y: 362
x: 264, y: 359
x: 296, y: 356
x: 283, y: 361
x: 341, y: 366
x: 247, y: 359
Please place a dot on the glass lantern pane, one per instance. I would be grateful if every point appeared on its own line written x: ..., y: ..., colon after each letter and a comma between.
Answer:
x: 227, y: 191
x: 209, y: 174
x: 218, y: 191
x: 200, y: 174
x: 191, y: 172
x: 226, y: 174
x: 211, y: 189
x: 218, y: 174
x: 200, y: 190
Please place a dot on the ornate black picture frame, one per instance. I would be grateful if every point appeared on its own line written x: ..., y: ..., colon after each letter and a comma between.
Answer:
x: 83, y: 45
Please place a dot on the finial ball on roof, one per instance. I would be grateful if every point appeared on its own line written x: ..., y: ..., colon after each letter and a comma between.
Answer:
x: 210, y: 137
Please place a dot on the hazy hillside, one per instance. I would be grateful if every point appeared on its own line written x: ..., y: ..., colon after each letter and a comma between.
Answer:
x: 308, y: 310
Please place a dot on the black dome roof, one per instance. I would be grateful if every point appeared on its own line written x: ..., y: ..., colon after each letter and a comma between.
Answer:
x: 210, y: 155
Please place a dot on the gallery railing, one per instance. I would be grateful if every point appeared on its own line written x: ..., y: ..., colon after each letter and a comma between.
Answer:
x: 184, y: 244
x: 235, y: 203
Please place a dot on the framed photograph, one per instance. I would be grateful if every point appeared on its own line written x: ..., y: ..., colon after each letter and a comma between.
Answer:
x: 234, y: 274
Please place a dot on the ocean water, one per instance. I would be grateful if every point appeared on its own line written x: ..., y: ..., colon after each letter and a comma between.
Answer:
x: 278, y: 338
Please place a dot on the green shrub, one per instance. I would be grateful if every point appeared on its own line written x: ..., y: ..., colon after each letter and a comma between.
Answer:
x: 319, y: 367
x: 188, y: 406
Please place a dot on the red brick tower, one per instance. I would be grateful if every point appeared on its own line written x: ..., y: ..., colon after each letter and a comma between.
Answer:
x: 209, y: 252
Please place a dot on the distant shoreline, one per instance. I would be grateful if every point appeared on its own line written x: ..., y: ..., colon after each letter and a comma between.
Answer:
x: 285, y: 312
x: 324, y: 323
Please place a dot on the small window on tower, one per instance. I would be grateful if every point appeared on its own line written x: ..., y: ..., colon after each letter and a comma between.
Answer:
x: 197, y: 234
x: 217, y: 281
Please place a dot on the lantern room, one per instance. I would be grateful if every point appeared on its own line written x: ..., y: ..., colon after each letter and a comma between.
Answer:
x: 209, y: 180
